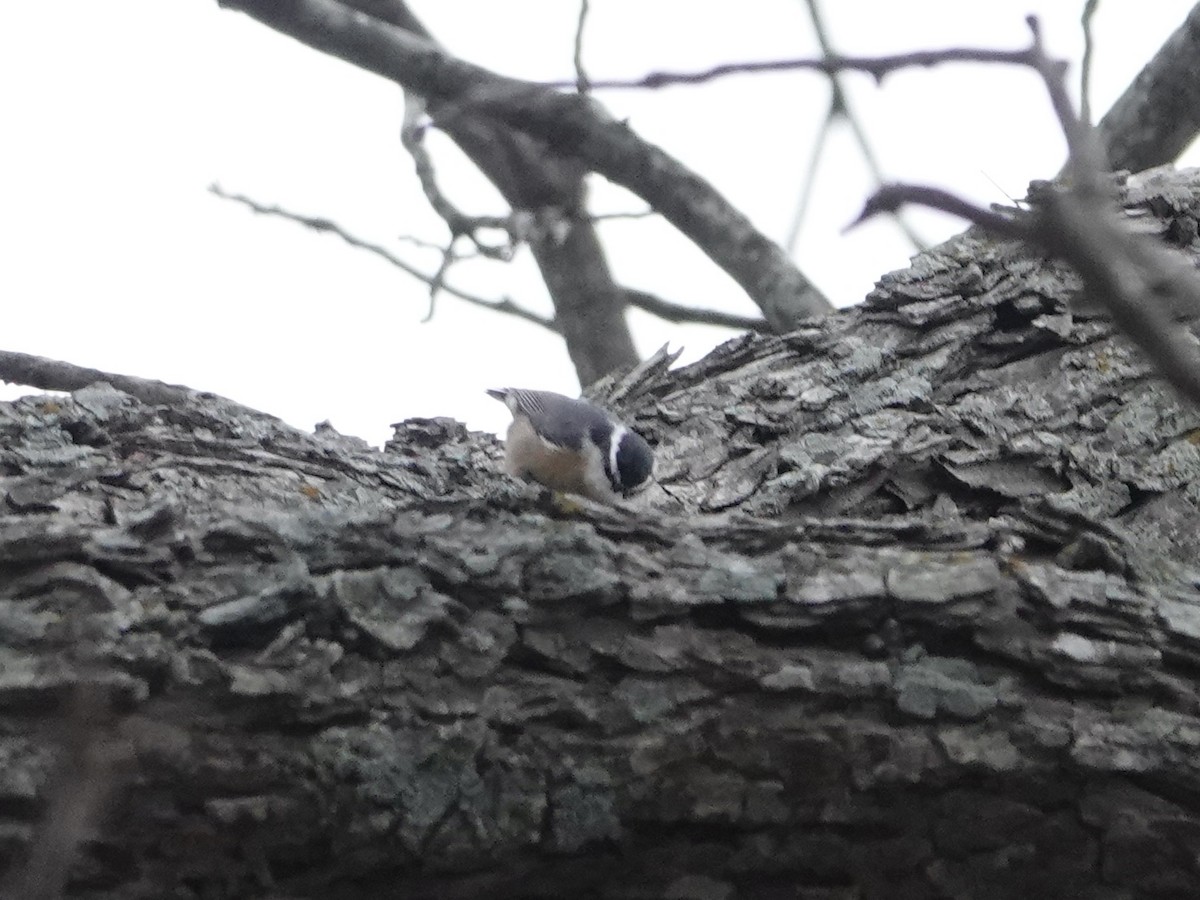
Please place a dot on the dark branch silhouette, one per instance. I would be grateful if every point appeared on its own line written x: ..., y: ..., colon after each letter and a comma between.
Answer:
x: 435, y: 281
x: 570, y: 125
x: 877, y: 66
x: 840, y: 110
x: 677, y: 312
x: 671, y: 312
x: 1158, y: 115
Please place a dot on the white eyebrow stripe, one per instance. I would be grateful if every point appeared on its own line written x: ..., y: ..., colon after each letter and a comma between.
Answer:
x: 618, y: 432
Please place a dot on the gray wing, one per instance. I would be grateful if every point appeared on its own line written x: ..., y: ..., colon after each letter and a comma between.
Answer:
x: 560, y: 420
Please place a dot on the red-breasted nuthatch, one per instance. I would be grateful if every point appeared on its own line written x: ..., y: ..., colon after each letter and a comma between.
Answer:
x: 571, y: 445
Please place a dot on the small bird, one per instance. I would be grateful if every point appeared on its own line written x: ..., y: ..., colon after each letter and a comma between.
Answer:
x: 573, y: 446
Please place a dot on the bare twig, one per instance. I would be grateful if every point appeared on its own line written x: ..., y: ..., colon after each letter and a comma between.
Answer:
x: 419, y: 242
x: 810, y: 180
x: 1085, y: 69
x: 582, y: 84
x: 439, y: 280
x: 839, y: 108
x: 892, y: 197
x: 611, y: 217
x: 676, y: 312
x: 877, y: 66
x: 412, y: 135
x: 1085, y: 153
x: 503, y: 305
x: 1086, y: 161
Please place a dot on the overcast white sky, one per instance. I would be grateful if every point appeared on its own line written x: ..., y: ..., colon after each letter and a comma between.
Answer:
x: 118, y: 115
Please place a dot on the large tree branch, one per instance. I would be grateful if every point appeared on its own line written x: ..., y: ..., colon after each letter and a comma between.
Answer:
x: 1159, y: 113
x: 569, y: 125
x: 939, y: 637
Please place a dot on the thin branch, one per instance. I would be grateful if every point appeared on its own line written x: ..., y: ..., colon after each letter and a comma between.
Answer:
x: 893, y: 197
x: 503, y: 305
x: 676, y: 312
x: 1085, y: 71
x: 438, y: 282
x: 582, y: 83
x: 1085, y: 152
x: 810, y: 178
x: 53, y: 375
x: 610, y: 217
x: 1086, y: 160
x: 418, y: 242
x: 839, y: 108
x: 877, y: 66
x: 412, y: 138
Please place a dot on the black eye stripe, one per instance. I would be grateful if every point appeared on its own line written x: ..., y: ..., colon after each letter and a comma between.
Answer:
x: 600, y: 436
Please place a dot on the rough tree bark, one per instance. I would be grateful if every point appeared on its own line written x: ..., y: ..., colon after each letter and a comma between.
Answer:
x: 919, y: 618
